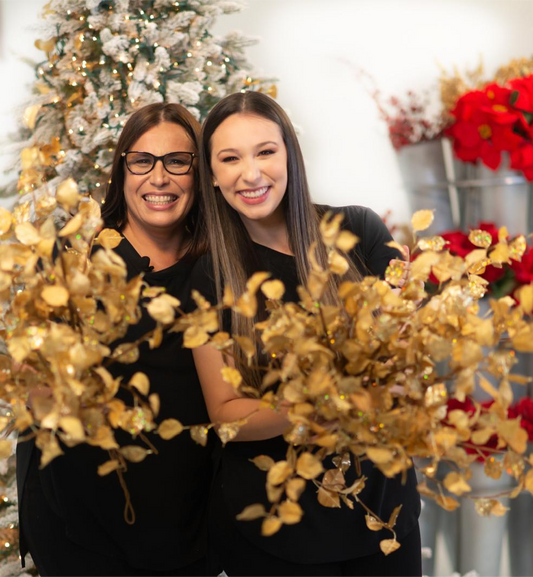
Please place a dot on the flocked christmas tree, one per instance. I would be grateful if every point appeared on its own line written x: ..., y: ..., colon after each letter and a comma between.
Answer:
x: 105, y: 59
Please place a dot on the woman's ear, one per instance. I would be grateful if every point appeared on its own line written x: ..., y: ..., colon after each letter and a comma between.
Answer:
x: 214, y: 181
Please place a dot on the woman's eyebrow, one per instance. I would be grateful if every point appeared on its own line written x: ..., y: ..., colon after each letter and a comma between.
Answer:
x: 257, y: 146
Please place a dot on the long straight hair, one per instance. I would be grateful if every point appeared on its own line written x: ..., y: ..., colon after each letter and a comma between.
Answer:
x: 114, y: 211
x: 233, y: 255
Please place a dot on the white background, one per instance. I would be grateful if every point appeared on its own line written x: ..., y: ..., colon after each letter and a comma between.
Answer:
x: 314, y: 48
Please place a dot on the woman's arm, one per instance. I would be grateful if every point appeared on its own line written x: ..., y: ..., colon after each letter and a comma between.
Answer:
x: 224, y: 406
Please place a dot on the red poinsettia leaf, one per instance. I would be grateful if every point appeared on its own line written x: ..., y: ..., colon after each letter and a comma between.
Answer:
x: 490, y: 156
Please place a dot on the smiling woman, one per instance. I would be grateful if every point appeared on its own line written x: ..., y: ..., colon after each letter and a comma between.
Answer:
x: 259, y: 217
x: 72, y: 520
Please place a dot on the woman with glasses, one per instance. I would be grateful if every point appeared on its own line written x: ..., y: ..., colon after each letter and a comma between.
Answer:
x: 72, y: 520
x: 259, y: 217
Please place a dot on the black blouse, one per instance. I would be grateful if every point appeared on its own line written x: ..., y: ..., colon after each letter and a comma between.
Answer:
x: 169, y: 491
x: 323, y: 535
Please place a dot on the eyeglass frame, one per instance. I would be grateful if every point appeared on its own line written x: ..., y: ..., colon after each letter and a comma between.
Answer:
x: 156, y: 159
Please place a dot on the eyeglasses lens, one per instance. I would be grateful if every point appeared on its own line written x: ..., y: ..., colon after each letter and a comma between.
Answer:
x: 143, y: 162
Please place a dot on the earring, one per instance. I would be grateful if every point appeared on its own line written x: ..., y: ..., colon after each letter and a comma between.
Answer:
x: 215, y: 183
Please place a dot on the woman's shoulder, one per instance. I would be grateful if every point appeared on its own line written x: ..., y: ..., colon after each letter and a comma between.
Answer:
x: 361, y: 220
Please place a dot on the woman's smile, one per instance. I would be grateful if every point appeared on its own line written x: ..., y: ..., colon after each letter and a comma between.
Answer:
x: 254, y: 195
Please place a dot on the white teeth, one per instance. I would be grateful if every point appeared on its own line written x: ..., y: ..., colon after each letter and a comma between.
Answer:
x: 158, y: 199
x: 254, y: 193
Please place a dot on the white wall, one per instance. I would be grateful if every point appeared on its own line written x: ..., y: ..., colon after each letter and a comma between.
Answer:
x: 17, y: 36
x: 314, y: 47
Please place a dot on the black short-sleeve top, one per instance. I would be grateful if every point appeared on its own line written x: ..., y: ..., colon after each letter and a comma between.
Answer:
x: 324, y: 534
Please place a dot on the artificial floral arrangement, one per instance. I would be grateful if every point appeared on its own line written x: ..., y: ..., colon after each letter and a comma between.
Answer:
x: 361, y: 378
x: 484, y: 117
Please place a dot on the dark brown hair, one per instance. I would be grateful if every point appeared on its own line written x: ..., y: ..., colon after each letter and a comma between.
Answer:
x: 229, y: 242
x: 114, y: 211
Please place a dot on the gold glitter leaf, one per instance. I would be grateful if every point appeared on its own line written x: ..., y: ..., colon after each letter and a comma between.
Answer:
x: 270, y: 526
x: 49, y: 446
x: 295, y: 488
x: 380, y: 456
x: 388, y: 546
x: 279, y: 473
x: 108, y: 467
x: 45, y: 45
x: 27, y: 234
x: 447, y: 503
x: 394, y: 516
x: 517, y: 248
x: 456, y: 484
x: 67, y: 193
x: 194, y: 337
x: 290, y: 513
x: 488, y: 507
x: 263, y: 462
x: 109, y: 238
x: 346, y: 241
x: 422, y: 219
x: 228, y: 299
x: 246, y: 344
x: 372, y: 523
x: 133, y: 453
x: 169, y: 428
x: 72, y: 226
x: 396, y: 272
x: 55, y: 296
x: 6, y: 448
x: 273, y: 289
x: 436, y: 243
x: 308, y: 466
x: 337, y: 263
x: 155, y: 403
x: 6, y: 220
x: 328, y: 498
x: 500, y: 254
x: 162, y: 308
x: 480, y: 238
x: 30, y: 115
x: 525, y: 298
x: 73, y: 427
x: 231, y: 376
x: 513, y: 434
x: 252, y: 512
x: 329, y: 227
x: 141, y: 382
x: 255, y: 281
x: 247, y: 305
x: 228, y: 431
x: 199, y: 434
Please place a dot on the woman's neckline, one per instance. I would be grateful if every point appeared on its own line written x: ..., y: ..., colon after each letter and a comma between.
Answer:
x: 263, y: 246
x: 142, y: 263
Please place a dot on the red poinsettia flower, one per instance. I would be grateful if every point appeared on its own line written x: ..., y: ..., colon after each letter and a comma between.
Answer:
x: 484, y: 126
x: 522, y: 159
x: 524, y: 409
x: 523, y: 99
x: 523, y: 270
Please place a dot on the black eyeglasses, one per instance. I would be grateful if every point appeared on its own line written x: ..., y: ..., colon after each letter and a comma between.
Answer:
x: 143, y: 162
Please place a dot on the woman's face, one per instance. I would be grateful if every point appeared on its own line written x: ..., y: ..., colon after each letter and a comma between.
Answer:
x: 159, y: 199
x: 249, y: 165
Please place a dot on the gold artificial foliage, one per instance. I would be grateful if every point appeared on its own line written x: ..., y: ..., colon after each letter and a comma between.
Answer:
x: 360, y: 380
